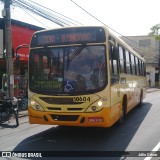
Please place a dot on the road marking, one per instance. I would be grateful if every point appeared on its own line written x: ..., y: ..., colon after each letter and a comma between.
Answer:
x: 156, y: 148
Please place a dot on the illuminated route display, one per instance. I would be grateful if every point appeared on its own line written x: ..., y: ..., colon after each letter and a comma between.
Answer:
x: 69, y: 36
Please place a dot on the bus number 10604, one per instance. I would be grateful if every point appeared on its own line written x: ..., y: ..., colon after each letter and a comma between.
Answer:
x: 81, y: 99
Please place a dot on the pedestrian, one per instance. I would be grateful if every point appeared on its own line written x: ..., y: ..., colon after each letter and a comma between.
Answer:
x: 149, y: 81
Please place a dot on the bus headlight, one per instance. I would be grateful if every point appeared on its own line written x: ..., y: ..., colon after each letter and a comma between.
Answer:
x: 35, y: 105
x: 100, y: 103
x: 97, y: 106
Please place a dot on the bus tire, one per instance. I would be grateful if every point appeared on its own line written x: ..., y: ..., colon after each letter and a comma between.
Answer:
x: 123, y: 112
x: 141, y: 99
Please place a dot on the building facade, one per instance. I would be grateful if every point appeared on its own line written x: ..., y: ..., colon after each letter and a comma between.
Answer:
x: 21, y: 34
x: 149, y: 48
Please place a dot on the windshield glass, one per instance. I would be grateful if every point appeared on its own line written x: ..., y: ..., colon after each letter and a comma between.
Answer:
x: 69, y: 70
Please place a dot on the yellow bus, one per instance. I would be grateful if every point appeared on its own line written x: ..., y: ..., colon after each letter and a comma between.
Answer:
x: 83, y: 76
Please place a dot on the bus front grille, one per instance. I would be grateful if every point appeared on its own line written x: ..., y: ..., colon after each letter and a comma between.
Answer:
x: 54, y: 108
x: 56, y: 100
x: 74, y: 109
x: 67, y: 108
x: 64, y: 117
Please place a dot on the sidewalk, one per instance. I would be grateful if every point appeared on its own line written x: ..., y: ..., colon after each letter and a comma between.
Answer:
x: 23, y: 113
x: 152, y: 89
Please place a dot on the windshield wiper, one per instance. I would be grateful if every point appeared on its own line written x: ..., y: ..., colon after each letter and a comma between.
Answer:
x: 74, y: 55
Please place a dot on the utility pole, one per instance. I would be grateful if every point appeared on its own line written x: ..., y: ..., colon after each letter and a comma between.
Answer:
x: 159, y: 66
x: 8, y: 46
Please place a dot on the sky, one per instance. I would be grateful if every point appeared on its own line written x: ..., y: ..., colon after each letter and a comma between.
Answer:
x: 127, y: 17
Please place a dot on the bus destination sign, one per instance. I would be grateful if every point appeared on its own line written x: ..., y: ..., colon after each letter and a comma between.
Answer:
x: 68, y: 36
x: 64, y: 38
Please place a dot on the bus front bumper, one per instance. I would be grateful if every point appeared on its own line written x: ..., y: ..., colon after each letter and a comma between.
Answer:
x: 95, y: 119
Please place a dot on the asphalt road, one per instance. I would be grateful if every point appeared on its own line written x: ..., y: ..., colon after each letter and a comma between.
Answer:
x: 140, y: 132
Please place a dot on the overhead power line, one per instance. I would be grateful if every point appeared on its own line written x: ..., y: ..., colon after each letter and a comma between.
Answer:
x: 62, y: 20
x: 38, y: 11
x: 95, y: 17
x: 25, y: 13
x: 108, y: 26
x: 45, y: 12
x: 67, y: 18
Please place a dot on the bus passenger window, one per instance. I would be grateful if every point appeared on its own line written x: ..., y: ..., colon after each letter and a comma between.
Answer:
x: 113, y: 66
x: 121, y: 60
x: 137, y: 68
x: 133, y: 64
x: 128, y: 64
x: 142, y: 67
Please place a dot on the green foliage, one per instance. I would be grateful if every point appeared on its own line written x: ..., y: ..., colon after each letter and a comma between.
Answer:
x: 155, y: 32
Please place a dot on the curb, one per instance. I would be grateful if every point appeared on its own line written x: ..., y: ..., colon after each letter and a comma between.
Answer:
x: 149, y: 90
x: 23, y: 114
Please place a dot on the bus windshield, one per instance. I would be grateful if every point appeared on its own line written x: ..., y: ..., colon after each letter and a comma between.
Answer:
x: 68, y: 70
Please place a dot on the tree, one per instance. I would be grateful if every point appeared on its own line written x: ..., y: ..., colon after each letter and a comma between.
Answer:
x: 155, y: 31
x: 156, y: 34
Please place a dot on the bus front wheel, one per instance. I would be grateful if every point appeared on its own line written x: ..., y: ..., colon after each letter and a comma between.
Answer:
x: 123, y: 112
x: 141, y: 99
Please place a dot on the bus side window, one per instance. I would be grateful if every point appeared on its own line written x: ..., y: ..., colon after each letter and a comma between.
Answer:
x: 113, y: 65
x: 128, y: 64
x: 121, y: 60
x: 137, y: 67
x: 142, y: 67
x: 133, y: 64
